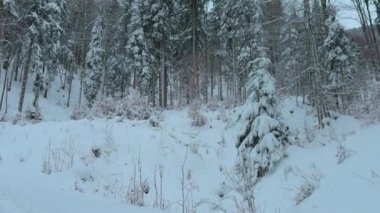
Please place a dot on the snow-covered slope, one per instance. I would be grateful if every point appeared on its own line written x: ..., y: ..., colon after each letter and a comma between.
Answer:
x: 65, y: 149
x: 351, y: 186
x: 51, y: 166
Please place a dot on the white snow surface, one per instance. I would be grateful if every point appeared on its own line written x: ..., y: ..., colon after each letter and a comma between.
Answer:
x: 80, y: 182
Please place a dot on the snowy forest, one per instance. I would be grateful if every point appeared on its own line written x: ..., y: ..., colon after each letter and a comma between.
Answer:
x: 189, y: 105
x: 177, y: 52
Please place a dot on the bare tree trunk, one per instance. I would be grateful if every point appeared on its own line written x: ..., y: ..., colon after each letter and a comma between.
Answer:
x: 5, y: 82
x: 220, y: 83
x: 47, y: 83
x: 367, y: 32
x: 163, y: 76
x: 14, y: 69
x: 195, y: 77
x: 212, y: 80
x: 372, y: 30
x: 312, y: 64
x: 69, y: 94
x: 25, y: 77
x: 18, y: 61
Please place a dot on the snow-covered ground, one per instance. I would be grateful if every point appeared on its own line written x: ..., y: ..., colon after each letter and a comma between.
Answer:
x: 51, y: 166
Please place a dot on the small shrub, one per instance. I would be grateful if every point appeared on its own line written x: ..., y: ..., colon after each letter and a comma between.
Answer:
x: 96, y: 151
x: 310, y: 132
x: 154, y: 120
x: 84, y: 180
x: 132, y: 107
x: 107, y: 107
x: 57, y: 160
x: 33, y: 113
x: 197, y: 119
x: 79, y: 113
x: 310, y: 182
x: 194, y: 147
x: 136, y: 192
x: 342, y: 153
x: 138, y: 186
x: 213, y: 104
x: 305, y: 191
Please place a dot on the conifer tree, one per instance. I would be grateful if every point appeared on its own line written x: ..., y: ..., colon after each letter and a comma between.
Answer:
x: 94, y: 63
x: 340, y: 62
x: 157, y: 22
x: 261, y: 141
x: 289, y: 77
x: 138, y: 55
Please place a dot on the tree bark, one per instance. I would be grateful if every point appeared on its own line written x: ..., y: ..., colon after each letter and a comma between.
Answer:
x: 5, y: 66
x: 163, y: 76
x: 14, y: 69
x: 195, y: 77
x: 25, y: 77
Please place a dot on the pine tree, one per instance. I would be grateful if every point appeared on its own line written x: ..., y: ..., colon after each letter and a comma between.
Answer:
x: 11, y: 7
x: 262, y: 138
x: 46, y: 31
x: 157, y: 22
x: 289, y: 77
x: 118, y: 74
x: 340, y: 62
x: 138, y: 55
x: 94, y: 63
x: 55, y: 13
x: 261, y: 141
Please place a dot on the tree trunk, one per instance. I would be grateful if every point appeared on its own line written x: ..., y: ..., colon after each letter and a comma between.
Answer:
x: 195, y: 77
x: 163, y: 76
x: 25, y: 77
x: 373, y: 34
x: 47, y: 83
x: 5, y: 83
x: 68, y: 80
x: 69, y: 94
x: 367, y: 33
x: 220, y: 83
x: 81, y: 85
x: 14, y: 69
x: 212, y: 81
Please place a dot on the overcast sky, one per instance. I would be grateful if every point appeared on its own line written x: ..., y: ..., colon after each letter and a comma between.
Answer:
x: 347, y: 14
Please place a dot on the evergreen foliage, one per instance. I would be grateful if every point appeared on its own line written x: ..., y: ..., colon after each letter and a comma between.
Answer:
x: 94, y: 63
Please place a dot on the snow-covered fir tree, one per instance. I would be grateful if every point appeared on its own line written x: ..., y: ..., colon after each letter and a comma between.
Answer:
x: 94, y: 63
x: 290, y: 59
x: 117, y: 74
x: 340, y: 62
x: 11, y: 7
x: 37, y: 36
x: 55, y: 12
x: 157, y: 21
x: 263, y: 136
x: 45, y: 33
x: 243, y: 36
x: 261, y: 141
x: 138, y: 56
